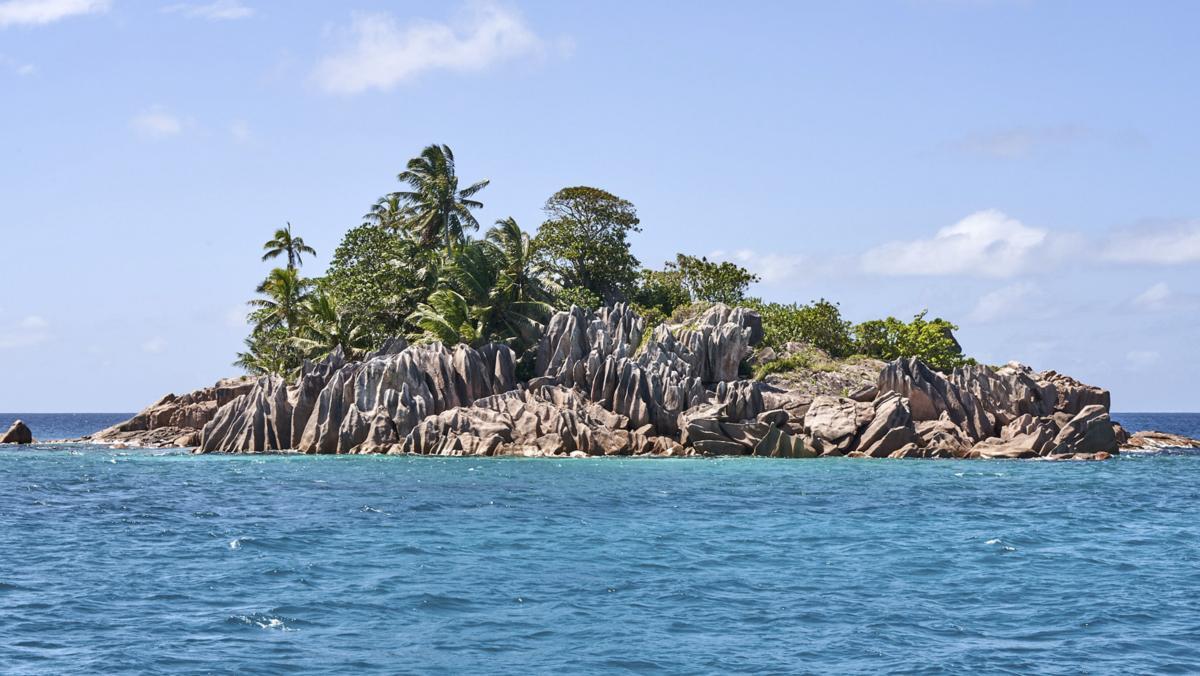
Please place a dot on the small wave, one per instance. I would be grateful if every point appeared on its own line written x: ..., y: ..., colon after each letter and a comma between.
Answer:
x: 1003, y: 546
x: 263, y: 621
x: 236, y: 543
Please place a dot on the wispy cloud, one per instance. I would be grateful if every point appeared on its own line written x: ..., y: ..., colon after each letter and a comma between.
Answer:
x: 986, y: 243
x: 155, y: 122
x: 1026, y: 141
x: 1153, y: 298
x: 218, y: 10
x: 18, y: 67
x: 1003, y: 303
x: 29, y: 331
x: 383, y: 52
x: 154, y: 345
x: 40, y: 12
x: 1171, y: 244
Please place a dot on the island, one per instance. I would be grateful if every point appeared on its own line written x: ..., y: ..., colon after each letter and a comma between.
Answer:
x: 421, y: 339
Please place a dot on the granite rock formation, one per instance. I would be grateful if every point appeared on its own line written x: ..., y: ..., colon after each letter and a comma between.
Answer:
x: 18, y: 433
x: 175, y: 420
x: 606, y: 384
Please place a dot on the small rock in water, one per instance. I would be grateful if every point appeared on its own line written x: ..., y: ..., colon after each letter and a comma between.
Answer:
x: 19, y: 433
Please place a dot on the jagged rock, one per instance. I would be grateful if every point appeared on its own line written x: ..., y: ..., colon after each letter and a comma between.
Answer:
x: 369, y: 406
x: 1025, y: 437
x: 930, y: 394
x: 1006, y: 393
x: 942, y: 438
x: 831, y: 423
x: 173, y: 417
x: 891, y: 427
x: 1089, y: 432
x: 1152, y: 441
x: 256, y: 422
x: 18, y: 433
x: 866, y: 393
x: 1074, y: 396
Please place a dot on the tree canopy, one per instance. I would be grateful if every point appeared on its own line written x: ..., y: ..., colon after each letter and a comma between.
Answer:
x: 584, y: 243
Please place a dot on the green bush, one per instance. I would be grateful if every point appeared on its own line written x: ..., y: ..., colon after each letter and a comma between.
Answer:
x: 819, y: 324
x: 930, y: 340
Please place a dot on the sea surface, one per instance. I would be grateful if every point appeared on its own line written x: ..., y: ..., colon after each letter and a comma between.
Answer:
x: 162, y: 562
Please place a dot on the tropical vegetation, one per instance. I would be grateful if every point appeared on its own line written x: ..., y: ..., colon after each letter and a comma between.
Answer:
x: 414, y: 267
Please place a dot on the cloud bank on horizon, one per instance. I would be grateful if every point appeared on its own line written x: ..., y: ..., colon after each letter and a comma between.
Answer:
x: 1044, y: 203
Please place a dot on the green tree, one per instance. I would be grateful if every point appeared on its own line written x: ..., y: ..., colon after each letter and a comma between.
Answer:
x: 379, y: 277
x: 440, y: 211
x: 658, y: 293
x: 930, y: 340
x: 584, y: 242
x: 285, y: 243
x: 706, y: 280
x: 283, y: 293
x: 326, y: 327
x: 491, y: 290
x: 277, y: 316
x: 390, y: 212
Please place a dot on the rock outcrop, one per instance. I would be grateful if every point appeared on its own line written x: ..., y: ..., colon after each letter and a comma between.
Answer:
x: 1157, y: 441
x: 605, y: 384
x: 18, y: 433
x: 175, y: 420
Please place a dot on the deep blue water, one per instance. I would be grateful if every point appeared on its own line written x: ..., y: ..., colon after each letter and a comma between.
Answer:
x: 150, y: 561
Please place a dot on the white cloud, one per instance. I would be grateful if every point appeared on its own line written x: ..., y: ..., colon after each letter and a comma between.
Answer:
x: 1003, y: 303
x: 218, y: 10
x: 772, y: 268
x: 383, y: 53
x: 39, y: 12
x: 156, y: 122
x: 986, y: 243
x: 154, y: 345
x: 30, y: 331
x: 1162, y: 245
x: 1154, y: 298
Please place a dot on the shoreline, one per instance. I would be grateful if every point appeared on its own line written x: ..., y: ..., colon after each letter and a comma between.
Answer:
x: 606, y: 384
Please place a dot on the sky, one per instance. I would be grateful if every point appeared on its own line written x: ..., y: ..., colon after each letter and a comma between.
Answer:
x: 1024, y: 169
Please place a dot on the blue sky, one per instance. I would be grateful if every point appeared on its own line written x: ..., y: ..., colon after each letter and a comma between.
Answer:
x: 1026, y: 169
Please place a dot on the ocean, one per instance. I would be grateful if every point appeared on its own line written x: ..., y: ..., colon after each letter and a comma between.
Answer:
x: 163, y: 562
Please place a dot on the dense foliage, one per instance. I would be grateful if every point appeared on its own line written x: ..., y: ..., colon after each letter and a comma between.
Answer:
x: 932, y: 340
x: 413, y: 268
x: 584, y: 244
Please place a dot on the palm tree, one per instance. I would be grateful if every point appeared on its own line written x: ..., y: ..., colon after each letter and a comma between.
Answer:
x: 326, y: 327
x: 491, y: 290
x: 285, y: 243
x: 284, y: 291
x: 441, y: 212
x: 390, y: 212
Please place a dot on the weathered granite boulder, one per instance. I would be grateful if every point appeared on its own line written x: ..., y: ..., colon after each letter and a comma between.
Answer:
x: 1154, y: 441
x: 890, y: 429
x: 832, y: 422
x: 930, y: 394
x: 1089, y: 432
x: 18, y: 433
x: 1074, y: 396
x: 175, y: 420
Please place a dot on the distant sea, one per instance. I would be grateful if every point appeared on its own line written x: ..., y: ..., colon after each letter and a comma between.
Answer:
x: 163, y: 562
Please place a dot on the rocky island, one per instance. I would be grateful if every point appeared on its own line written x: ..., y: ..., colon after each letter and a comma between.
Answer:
x: 605, y: 384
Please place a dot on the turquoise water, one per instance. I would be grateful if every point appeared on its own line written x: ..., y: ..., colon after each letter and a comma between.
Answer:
x: 149, y: 561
